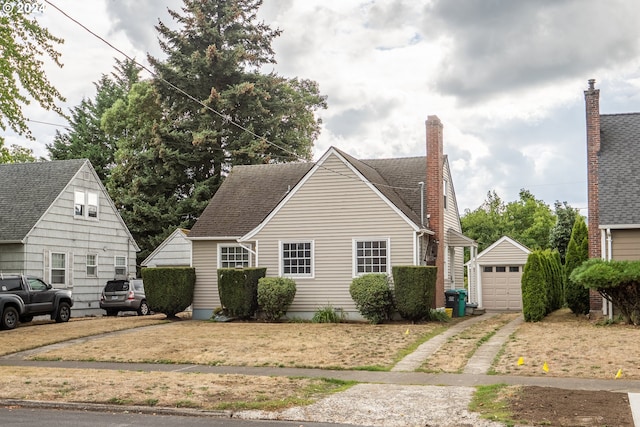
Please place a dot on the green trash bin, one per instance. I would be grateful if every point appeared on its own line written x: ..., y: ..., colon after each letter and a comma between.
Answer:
x: 462, y: 302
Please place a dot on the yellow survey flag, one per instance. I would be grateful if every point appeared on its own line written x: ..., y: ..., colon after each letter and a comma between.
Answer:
x: 545, y: 367
x: 619, y: 374
x: 407, y: 332
x: 521, y: 361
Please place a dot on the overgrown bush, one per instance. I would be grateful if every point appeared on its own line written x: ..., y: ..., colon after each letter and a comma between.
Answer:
x: 577, y: 296
x: 275, y: 295
x: 616, y: 281
x: 169, y: 290
x: 328, y: 314
x: 534, y: 288
x: 414, y: 289
x: 238, y: 290
x: 373, y: 298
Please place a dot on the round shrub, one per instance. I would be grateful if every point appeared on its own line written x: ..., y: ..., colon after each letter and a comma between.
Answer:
x: 372, y: 296
x: 275, y: 295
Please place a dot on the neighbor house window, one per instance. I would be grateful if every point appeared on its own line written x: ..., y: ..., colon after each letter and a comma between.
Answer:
x: 444, y: 191
x: 58, y: 268
x: 92, y: 265
x: 121, y: 266
x: 501, y: 269
x: 79, y: 208
x: 514, y: 269
x: 371, y: 256
x: 85, y: 204
x: 233, y: 257
x: 487, y: 269
x: 297, y: 259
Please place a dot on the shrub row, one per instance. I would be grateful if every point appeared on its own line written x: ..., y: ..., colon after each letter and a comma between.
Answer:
x: 542, y: 285
x: 413, y: 293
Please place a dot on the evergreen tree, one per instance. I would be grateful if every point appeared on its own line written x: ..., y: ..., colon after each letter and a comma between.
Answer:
x: 561, y: 232
x: 529, y: 221
x: 485, y: 224
x: 85, y: 139
x: 233, y: 114
x: 577, y: 296
x: 24, y: 43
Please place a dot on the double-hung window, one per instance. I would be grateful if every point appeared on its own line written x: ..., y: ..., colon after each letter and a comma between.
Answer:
x: 297, y: 258
x: 371, y: 256
x: 85, y: 204
x: 92, y: 265
x: 233, y: 256
x: 58, y: 268
x: 120, y: 264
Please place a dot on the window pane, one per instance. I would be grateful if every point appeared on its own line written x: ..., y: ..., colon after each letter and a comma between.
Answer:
x: 234, y: 257
x: 57, y: 260
x: 488, y: 269
x: 514, y: 269
x: 501, y: 269
x: 297, y: 258
x: 371, y: 256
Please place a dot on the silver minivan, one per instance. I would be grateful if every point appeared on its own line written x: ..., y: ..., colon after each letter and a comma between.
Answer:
x: 124, y: 295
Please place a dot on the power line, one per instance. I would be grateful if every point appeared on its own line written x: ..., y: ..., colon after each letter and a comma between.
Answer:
x: 225, y: 117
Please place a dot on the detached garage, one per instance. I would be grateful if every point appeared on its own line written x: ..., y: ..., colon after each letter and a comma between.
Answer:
x: 494, y: 275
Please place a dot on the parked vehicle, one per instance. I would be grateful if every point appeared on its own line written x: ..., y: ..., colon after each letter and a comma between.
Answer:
x: 124, y: 295
x: 23, y: 297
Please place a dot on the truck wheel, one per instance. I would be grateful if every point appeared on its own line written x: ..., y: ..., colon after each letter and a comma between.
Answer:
x: 144, y: 309
x: 64, y: 312
x: 10, y: 318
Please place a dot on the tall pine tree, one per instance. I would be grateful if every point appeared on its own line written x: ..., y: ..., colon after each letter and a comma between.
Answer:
x: 233, y: 114
x: 577, y: 252
x: 85, y: 139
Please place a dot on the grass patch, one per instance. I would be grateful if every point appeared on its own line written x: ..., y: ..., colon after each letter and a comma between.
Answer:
x: 490, y: 402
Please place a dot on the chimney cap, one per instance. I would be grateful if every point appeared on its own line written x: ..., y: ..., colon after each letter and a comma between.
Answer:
x: 592, y: 83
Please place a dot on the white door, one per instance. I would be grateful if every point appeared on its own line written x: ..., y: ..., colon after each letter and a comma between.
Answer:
x: 501, y: 288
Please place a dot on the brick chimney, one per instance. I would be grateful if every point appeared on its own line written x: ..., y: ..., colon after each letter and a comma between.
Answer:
x: 592, y: 104
x: 434, y: 199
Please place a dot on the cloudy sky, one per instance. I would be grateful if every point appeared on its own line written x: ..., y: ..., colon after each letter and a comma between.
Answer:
x: 505, y: 77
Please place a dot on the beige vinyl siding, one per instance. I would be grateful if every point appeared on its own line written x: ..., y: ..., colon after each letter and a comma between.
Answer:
x: 625, y: 244
x: 454, y: 277
x: 331, y: 209
x: 504, y: 254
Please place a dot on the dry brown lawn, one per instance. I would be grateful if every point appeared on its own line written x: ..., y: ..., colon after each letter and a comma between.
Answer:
x: 342, y: 346
x: 572, y: 347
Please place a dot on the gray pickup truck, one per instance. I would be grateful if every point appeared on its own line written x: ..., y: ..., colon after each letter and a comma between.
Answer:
x: 23, y: 297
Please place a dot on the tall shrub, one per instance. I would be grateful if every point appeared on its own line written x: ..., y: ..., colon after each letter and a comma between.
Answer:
x: 238, y: 290
x: 373, y: 298
x: 414, y: 290
x: 577, y: 296
x: 534, y: 295
x: 169, y: 290
x: 275, y: 295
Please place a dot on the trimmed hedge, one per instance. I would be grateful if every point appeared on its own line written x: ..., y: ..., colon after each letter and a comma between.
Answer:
x: 414, y: 289
x: 238, y: 290
x: 169, y: 290
x: 373, y: 298
x: 275, y: 295
x: 534, y: 289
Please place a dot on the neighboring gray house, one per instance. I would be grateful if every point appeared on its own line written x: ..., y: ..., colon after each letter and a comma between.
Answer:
x: 495, y: 275
x: 327, y: 222
x: 57, y: 222
x: 613, y: 176
x: 174, y: 251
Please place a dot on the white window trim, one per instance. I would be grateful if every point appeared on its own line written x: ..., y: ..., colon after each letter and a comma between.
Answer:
x: 51, y: 268
x: 230, y: 245
x: 281, y: 273
x: 354, y: 254
x: 85, y: 205
x: 87, y: 265
x: 115, y: 265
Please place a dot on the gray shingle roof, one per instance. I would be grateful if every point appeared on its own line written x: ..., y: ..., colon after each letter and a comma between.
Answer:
x: 26, y: 192
x: 619, y: 169
x: 250, y: 193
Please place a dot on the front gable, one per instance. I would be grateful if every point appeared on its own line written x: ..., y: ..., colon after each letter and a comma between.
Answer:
x: 334, y: 188
x: 504, y: 250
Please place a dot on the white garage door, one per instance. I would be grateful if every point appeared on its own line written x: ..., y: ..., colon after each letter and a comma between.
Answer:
x: 501, y: 287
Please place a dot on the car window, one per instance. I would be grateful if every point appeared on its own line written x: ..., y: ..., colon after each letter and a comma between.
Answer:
x: 116, y: 286
x: 138, y: 286
x: 12, y: 284
x: 37, y: 284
